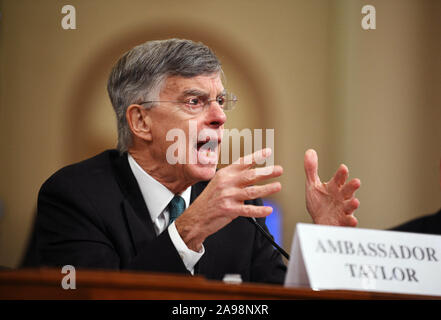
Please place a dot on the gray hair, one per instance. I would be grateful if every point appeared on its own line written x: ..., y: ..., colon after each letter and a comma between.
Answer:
x: 139, y: 74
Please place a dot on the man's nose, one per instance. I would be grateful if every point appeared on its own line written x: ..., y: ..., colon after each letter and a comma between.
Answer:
x: 215, y: 115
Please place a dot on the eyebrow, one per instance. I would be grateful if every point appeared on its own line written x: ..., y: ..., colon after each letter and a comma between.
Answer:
x: 199, y: 93
x: 194, y: 92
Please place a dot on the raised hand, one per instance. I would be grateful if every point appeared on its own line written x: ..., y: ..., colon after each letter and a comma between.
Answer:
x: 331, y: 203
x: 223, y: 198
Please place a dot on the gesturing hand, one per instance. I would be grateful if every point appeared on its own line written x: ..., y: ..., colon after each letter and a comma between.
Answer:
x: 223, y: 198
x: 331, y: 203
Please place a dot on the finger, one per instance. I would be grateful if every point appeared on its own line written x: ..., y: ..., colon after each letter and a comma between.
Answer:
x: 349, y: 188
x: 351, y: 205
x: 311, y: 167
x: 340, y: 176
x: 254, y: 176
x: 254, y: 192
x: 350, y: 221
x: 250, y: 159
x: 249, y: 210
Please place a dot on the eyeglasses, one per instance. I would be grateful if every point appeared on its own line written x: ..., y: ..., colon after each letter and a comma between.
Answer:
x: 198, y: 103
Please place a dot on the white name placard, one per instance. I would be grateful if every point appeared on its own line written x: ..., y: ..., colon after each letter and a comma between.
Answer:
x: 328, y: 257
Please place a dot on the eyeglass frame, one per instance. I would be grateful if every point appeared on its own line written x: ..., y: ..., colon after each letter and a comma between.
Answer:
x: 207, y: 102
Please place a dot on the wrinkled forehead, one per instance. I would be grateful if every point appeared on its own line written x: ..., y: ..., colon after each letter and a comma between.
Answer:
x: 210, y: 84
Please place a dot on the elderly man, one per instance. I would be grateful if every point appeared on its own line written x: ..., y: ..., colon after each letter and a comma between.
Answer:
x: 134, y: 209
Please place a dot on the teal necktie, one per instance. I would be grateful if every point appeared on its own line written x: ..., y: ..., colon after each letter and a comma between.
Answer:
x: 176, y: 207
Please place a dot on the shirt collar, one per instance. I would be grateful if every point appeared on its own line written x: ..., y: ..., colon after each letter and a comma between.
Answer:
x: 156, y: 195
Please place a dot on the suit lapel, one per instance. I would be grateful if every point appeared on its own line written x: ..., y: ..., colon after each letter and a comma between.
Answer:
x: 133, y: 206
x: 206, y: 264
x: 137, y: 215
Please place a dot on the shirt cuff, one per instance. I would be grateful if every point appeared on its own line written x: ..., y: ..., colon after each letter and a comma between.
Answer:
x: 188, y: 256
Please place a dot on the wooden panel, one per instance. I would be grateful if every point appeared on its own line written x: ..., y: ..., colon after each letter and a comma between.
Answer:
x: 93, y: 284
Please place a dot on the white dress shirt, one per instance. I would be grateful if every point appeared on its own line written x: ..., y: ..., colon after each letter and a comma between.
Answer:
x: 157, y: 197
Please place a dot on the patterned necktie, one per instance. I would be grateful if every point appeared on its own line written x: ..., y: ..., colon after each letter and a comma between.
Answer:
x: 176, y: 207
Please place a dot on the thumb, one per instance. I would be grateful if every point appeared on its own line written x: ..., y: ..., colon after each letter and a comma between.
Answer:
x: 311, y: 166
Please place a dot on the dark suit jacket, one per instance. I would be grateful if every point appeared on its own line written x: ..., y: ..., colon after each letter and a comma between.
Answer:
x: 430, y: 224
x: 92, y: 215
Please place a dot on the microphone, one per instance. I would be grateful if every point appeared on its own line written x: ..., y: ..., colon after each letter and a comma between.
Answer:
x: 268, y: 237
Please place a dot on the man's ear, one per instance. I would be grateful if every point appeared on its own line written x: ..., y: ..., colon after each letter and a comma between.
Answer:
x: 139, y: 122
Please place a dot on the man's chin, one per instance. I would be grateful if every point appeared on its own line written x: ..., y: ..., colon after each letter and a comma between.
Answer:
x: 203, y: 172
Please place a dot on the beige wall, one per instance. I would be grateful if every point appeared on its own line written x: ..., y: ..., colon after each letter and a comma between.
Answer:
x: 369, y: 99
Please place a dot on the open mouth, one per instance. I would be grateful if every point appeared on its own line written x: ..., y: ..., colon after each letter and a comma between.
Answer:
x: 209, y: 145
x: 207, y: 151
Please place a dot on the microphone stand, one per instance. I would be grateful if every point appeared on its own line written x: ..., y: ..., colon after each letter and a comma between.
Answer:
x: 268, y: 237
